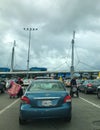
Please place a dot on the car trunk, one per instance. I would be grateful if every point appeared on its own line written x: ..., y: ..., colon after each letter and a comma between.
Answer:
x: 48, y: 99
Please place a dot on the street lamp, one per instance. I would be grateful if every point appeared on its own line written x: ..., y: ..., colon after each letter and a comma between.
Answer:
x: 72, y: 64
x: 28, y: 58
x: 12, y: 57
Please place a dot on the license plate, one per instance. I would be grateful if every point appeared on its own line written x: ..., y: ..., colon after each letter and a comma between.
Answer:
x: 46, y: 103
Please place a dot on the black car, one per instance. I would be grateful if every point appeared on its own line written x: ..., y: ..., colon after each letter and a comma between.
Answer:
x: 2, y: 86
x: 89, y: 86
x: 98, y: 92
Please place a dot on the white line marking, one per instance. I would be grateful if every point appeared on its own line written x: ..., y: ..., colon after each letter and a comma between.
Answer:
x: 8, y: 106
x: 90, y: 102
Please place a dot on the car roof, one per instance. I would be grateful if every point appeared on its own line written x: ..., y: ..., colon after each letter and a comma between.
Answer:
x: 47, y: 80
x: 43, y: 77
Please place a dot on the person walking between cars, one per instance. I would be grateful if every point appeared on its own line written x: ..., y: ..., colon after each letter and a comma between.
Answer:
x: 74, y: 87
x: 20, y: 82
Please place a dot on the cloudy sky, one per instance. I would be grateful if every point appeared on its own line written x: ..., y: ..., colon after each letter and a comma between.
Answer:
x: 51, y: 44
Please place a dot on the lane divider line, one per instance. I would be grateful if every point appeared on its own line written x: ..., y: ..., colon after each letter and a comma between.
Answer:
x: 4, y: 109
x: 97, y: 106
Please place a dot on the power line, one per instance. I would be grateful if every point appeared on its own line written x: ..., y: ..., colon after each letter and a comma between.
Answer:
x: 88, y: 65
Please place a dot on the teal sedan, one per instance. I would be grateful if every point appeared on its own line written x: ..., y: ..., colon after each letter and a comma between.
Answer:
x: 45, y: 99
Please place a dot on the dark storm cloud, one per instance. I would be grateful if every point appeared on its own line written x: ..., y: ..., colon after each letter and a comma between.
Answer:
x: 55, y: 22
x: 75, y: 15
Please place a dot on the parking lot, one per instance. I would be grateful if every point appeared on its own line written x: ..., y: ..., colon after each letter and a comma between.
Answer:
x: 85, y: 115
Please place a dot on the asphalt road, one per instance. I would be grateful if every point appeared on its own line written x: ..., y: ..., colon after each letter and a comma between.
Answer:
x: 85, y: 115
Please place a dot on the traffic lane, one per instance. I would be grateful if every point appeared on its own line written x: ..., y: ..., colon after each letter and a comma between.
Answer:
x: 87, y: 114
x: 91, y: 97
x: 84, y: 116
x: 5, y: 100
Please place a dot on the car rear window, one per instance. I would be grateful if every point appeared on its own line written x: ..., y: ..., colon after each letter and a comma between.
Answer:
x: 46, y: 86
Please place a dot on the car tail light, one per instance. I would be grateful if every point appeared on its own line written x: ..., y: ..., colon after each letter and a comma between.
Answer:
x: 89, y: 85
x: 25, y: 99
x: 67, y: 99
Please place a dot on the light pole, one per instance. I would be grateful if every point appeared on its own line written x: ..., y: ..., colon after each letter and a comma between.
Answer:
x: 12, y: 57
x: 72, y: 63
x: 28, y: 58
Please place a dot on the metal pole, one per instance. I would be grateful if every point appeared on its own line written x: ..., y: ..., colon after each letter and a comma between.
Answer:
x: 12, y: 58
x: 72, y: 63
x: 28, y: 58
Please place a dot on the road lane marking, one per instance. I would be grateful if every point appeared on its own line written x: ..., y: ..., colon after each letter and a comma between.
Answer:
x: 9, y: 106
x: 90, y: 102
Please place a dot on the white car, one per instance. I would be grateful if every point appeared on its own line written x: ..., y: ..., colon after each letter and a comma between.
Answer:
x: 26, y: 82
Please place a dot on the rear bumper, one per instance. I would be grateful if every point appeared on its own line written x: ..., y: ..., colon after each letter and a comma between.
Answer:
x: 91, y: 89
x: 30, y: 113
